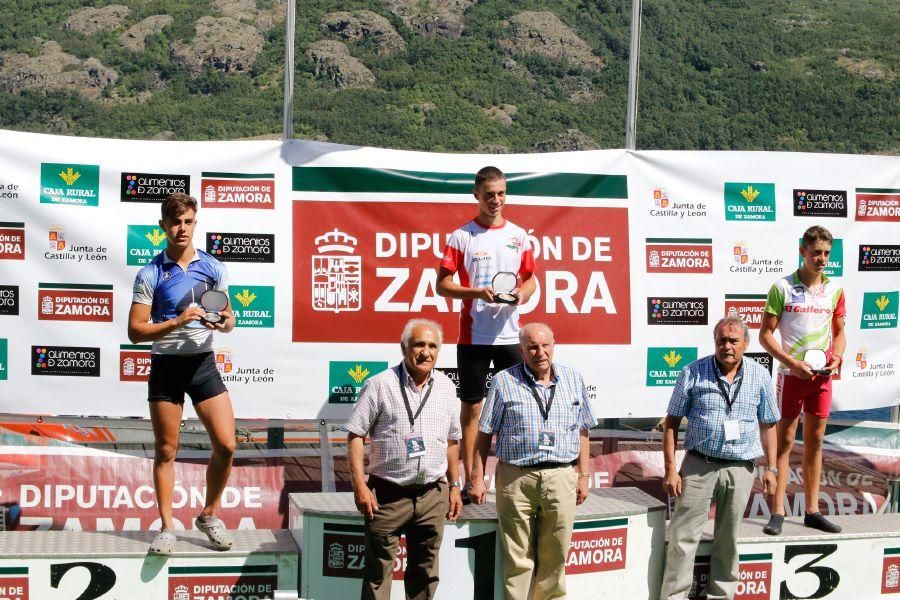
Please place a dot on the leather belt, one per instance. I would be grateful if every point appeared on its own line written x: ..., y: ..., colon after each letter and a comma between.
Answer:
x: 550, y: 465
x: 714, y: 459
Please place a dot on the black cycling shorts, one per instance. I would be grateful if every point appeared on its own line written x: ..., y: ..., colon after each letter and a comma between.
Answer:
x: 473, y: 362
x: 171, y: 375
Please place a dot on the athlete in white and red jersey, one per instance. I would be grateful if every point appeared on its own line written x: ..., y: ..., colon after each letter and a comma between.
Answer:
x: 478, y: 252
x: 807, y: 309
x: 488, y: 331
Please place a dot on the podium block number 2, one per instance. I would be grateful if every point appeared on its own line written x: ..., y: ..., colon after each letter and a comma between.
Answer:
x: 102, y: 578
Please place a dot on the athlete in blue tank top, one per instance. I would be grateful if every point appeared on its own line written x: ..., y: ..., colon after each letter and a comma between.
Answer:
x: 166, y: 310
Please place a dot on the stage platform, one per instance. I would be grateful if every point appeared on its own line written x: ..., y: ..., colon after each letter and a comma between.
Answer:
x: 617, y: 548
x: 861, y: 562
x: 63, y: 565
x: 617, y: 553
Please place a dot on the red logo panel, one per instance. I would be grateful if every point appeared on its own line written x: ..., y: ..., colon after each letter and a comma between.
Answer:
x: 597, y: 550
x: 75, y: 305
x: 12, y: 243
x: 362, y: 269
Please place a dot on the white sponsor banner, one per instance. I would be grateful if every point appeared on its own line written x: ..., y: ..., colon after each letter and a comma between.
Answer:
x: 329, y: 249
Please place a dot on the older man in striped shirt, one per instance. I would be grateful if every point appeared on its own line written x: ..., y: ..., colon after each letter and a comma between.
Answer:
x: 541, y: 415
x: 411, y: 414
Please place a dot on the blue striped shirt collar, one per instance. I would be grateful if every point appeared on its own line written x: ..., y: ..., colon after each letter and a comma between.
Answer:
x: 532, y: 380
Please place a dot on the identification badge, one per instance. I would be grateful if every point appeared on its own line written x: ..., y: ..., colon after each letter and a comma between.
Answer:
x: 546, y: 439
x: 415, y: 445
x: 732, y: 429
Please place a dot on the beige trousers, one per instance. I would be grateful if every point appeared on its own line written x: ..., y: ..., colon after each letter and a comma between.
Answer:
x: 536, y: 512
x: 729, y: 486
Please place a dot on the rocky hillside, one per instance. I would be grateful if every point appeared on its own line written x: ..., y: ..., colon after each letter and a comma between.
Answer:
x: 460, y: 75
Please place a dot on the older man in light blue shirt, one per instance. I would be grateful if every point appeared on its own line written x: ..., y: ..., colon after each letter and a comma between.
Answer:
x: 730, y: 406
x: 541, y: 415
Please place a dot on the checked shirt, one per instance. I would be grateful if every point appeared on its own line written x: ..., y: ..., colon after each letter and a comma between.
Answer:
x: 511, y: 412
x: 381, y: 414
x: 697, y: 396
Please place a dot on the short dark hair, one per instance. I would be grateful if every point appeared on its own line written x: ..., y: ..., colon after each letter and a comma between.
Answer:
x: 814, y: 234
x: 488, y: 174
x: 176, y: 204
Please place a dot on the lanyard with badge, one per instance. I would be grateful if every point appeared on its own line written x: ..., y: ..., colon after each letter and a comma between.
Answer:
x: 546, y: 436
x: 415, y: 442
x: 732, y: 426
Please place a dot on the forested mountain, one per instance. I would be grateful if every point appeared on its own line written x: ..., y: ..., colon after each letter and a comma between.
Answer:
x: 461, y: 75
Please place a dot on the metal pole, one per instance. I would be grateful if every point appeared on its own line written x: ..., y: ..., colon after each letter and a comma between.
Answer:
x: 633, y: 60
x: 289, y: 27
x: 326, y: 458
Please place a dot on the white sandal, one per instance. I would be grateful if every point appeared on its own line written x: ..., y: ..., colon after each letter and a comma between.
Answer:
x: 163, y: 544
x: 215, y: 530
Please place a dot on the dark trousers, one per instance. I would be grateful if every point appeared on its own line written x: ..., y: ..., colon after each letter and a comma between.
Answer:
x: 417, y: 511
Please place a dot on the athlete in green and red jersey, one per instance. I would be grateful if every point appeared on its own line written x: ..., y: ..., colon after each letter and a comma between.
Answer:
x: 807, y: 308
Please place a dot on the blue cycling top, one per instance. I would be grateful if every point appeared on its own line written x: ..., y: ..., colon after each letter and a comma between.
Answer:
x: 170, y: 291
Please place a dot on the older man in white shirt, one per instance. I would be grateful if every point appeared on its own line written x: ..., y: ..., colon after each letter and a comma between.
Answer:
x: 411, y: 413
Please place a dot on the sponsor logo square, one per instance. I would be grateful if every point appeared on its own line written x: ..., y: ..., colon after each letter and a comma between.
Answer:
x: 453, y: 374
x: 664, y: 364
x: 879, y: 310
x: 61, y: 247
x: 70, y: 361
x: 666, y: 207
x: 890, y: 571
x: 343, y: 551
x: 152, y: 187
x: 193, y: 583
x: 677, y: 311
x: 69, y: 183
x: 144, y: 243
x: 241, y: 247
x: 755, y: 579
x: 872, y: 366
x: 835, y: 266
x: 134, y: 362
x: 9, y: 299
x: 238, y: 190
x: 4, y: 359
x: 874, y: 257
x: 597, y: 546
x: 877, y: 204
x: 12, y: 240
x: 763, y: 358
x: 676, y: 255
x: 253, y: 305
x: 75, y: 302
x: 749, y: 201
x: 14, y: 583
x: 749, y: 307
x: 346, y: 378
x: 820, y: 203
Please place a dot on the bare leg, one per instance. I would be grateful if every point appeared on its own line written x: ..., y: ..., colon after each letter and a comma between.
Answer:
x: 166, y: 420
x: 813, y: 438
x: 218, y: 418
x: 469, y: 415
x: 786, y: 430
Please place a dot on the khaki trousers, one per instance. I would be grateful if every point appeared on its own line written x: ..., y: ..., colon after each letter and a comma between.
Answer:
x: 536, y: 512
x: 421, y: 517
x: 729, y: 485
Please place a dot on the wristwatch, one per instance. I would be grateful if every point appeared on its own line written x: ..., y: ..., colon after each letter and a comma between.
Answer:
x: 456, y: 484
x: 772, y: 469
x: 584, y: 475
